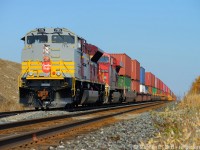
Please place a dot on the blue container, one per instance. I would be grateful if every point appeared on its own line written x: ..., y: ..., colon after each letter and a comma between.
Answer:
x: 142, y: 75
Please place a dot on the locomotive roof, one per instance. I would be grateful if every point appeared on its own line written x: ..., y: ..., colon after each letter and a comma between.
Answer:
x: 49, y: 31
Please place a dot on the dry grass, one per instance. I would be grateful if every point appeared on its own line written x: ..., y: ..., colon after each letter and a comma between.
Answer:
x: 10, y: 106
x: 179, y: 125
x: 9, y: 95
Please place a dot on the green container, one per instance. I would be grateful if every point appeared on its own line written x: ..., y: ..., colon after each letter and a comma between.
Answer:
x: 154, y: 91
x: 124, y: 82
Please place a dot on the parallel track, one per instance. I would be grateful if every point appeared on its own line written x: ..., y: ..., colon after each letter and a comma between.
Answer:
x: 66, y: 123
x: 12, y: 113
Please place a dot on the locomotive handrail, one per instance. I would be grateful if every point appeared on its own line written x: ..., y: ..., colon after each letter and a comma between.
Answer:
x: 74, y: 86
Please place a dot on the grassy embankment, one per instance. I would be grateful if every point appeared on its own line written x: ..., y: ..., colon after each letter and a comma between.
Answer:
x: 9, y: 95
x: 179, y: 124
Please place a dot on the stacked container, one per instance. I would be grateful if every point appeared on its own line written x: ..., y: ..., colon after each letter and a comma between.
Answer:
x: 135, y: 75
x: 126, y: 61
x: 161, y: 87
x: 150, y: 82
x: 124, y: 82
x: 142, y: 76
x: 149, y: 79
x: 124, y: 78
x: 143, y: 88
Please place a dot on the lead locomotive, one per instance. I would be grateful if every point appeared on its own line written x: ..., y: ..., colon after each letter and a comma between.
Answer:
x: 60, y: 69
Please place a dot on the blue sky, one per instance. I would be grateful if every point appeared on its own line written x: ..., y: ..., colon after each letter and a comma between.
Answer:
x: 163, y: 35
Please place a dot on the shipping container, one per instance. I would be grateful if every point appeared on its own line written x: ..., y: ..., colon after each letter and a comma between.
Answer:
x: 124, y: 82
x: 161, y: 85
x: 157, y: 83
x: 142, y: 76
x: 158, y: 91
x: 149, y: 89
x: 164, y: 88
x: 153, y: 80
x: 149, y: 79
x: 126, y: 64
x: 135, y: 70
x: 135, y: 86
x: 143, y: 89
x: 154, y: 91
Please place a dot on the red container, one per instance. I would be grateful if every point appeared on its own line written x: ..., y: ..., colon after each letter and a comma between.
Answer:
x: 149, y: 90
x: 135, y: 70
x: 161, y: 85
x: 126, y: 64
x: 164, y: 88
x: 149, y: 79
x: 153, y: 81
x: 159, y: 82
x: 168, y: 90
x: 135, y: 86
x: 156, y: 82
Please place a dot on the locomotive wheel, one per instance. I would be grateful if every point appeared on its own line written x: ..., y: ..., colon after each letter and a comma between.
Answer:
x: 36, y: 108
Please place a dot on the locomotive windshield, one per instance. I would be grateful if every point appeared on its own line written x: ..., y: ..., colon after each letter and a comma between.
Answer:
x: 37, y: 39
x: 63, y: 38
x: 104, y: 59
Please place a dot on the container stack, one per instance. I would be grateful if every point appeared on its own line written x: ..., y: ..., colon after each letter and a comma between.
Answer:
x: 161, y: 87
x: 150, y: 82
x: 132, y: 77
x: 143, y: 88
x: 124, y: 78
x: 135, y: 75
x: 157, y: 82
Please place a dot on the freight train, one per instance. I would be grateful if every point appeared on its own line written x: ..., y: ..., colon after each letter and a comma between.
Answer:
x: 60, y: 69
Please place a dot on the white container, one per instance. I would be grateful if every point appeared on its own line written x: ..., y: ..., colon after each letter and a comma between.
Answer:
x: 143, y: 89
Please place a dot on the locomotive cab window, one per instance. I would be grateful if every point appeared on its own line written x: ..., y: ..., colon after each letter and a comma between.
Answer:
x: 104, y: 59
x: 63, y: 38
x: 37, y: 39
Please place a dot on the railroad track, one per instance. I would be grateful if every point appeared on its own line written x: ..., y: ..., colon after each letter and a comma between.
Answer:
x: 34, y: 131
x: 12, y: 113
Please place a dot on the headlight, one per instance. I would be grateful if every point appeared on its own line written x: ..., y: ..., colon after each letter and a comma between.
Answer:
x: 30, y: 73
x: 58, y: 73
